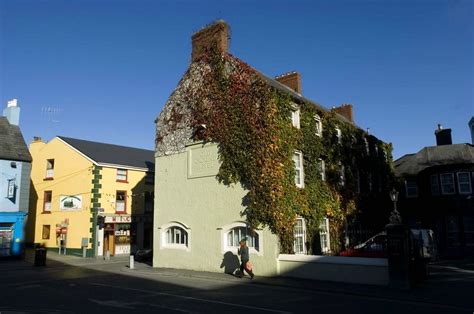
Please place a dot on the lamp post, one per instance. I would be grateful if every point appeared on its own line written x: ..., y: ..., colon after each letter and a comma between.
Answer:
x: 395, y: 215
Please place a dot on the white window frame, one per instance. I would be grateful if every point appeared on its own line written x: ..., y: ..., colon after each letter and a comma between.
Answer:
x: 121, y: 176
x: 47, y: 205
x: 468, y: 182
x: 342, y: 174
x: 324, y: 231
x: 119, y: 203
x: 176, y: 246
x: 367, y: 148
x: 339, y: 135
x: 50, y: 168
x: 443, y: 190
x: 300, y: 234
x: 318, y: 125
x: 322, y: 169
x: 299, y: 170
x: 411, y: 191
x: 295, y: 117
x: 225, y: 247
x: 434, y: 185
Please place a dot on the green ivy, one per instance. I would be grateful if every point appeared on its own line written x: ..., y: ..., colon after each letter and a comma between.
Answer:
x: 251, y: 122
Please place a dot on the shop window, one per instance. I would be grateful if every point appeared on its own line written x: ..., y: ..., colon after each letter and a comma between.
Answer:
x: 411, y: 187
x: 299, y: 175
x: 122, y: 175
x: 447, y: 183
x: 46, y: 232
x: 121, y: 202
x: 434, y: 184
x: 48, y: 196
x: 49, y: 169
x: 464, y: 182
x: 300, y: 236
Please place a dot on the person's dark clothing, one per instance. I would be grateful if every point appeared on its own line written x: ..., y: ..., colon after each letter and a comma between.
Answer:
x: 244, y: 257
x: 244, y: 253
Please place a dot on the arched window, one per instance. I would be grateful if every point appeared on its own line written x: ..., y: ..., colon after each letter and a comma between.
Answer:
x: 175, y: 235
x: 232, y: 234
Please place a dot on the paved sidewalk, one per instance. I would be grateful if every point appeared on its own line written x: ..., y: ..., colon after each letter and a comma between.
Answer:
x: 449, y: 284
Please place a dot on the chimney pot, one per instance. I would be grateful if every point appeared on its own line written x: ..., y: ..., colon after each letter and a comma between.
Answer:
x: 12, y: 103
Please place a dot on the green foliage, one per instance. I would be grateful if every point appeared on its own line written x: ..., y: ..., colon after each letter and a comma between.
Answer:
x: 252, y: 124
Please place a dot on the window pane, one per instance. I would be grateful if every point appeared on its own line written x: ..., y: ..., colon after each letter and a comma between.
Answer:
x: 447, y: 183
x: 464, y: 181
x: 121, y: 174
x: 434, y: 185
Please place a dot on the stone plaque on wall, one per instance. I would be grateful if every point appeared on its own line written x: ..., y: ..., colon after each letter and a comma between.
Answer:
x: 202, y: 161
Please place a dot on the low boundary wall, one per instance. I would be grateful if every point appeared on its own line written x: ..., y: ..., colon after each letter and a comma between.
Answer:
x: 361, y: 270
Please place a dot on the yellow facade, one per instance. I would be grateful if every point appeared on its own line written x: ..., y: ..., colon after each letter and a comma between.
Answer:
x: 92, y: 186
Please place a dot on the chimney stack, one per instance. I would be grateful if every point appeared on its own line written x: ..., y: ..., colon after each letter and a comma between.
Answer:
x: 443, y: 136
x: 345, y: 110
x: 291, y: 79
x: 12, y: 112
x: 215, y: 36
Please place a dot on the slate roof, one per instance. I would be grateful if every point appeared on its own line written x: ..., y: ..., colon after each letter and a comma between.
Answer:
x: 412, y: 164
x: 103, y: 153
x: 12, y: 143
x: 283, y: 88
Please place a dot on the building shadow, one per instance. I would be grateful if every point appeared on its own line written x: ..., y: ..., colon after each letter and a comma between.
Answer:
x: 30, y: 226
x: 141, y: 210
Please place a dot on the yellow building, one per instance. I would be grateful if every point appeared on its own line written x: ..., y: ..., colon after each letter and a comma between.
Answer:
x: 89, y: 194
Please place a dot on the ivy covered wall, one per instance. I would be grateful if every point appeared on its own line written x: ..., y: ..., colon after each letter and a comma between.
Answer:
x: 223, y: 100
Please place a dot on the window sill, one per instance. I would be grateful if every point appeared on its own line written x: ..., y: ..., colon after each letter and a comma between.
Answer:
x: 122, y: 181
x: 48, y: 179
x: 46, y: 212
x: 121, y: 213
x: 175, y: 247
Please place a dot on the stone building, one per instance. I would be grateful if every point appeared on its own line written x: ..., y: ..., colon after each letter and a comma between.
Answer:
x: 199, y: 221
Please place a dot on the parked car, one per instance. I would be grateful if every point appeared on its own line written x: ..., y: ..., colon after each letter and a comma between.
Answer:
x: 376, y: 246
x: 423, y: 245
x: 145, y: 255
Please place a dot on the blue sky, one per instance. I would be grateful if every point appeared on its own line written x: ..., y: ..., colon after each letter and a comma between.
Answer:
x: 102, y: 70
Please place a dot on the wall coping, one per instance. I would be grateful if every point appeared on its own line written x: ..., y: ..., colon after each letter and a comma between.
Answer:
x: 333, y: 260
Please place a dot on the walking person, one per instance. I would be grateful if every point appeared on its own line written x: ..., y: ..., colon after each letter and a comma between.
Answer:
x: 245, y: 259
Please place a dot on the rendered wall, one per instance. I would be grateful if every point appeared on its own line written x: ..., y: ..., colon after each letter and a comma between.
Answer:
x: 72, y: 176
x: 186, y: 191
x: 373, y: 271
x: 20, y: 174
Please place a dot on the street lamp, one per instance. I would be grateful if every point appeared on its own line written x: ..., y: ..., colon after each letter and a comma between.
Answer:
x: 395, y: 215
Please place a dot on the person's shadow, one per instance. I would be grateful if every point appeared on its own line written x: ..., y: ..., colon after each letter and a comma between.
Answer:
x: 230, y: 263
